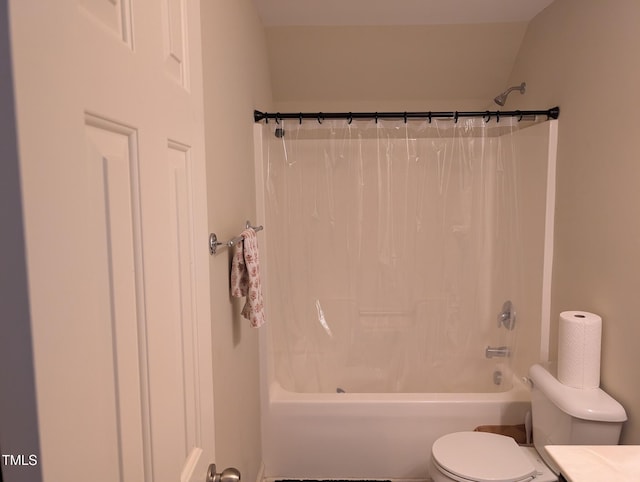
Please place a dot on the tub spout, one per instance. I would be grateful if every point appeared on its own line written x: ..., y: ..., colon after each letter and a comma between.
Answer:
x: 501, y: 351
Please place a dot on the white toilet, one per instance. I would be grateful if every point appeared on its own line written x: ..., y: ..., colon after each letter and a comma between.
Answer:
x: 561, y: 415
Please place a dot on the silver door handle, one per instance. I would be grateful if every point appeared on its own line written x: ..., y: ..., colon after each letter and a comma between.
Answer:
x: 229, y: 474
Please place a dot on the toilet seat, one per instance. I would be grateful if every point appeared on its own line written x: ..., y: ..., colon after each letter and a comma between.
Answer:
x: 481, y: 457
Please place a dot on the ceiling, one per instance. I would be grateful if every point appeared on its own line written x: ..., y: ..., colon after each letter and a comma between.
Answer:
x: 395, y: 12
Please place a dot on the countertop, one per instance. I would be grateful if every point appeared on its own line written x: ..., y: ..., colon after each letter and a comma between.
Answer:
x: 597, y: 463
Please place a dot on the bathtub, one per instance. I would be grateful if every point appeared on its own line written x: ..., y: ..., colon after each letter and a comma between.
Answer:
x: 369, y: 435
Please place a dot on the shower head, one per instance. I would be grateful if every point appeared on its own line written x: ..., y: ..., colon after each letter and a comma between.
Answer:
x: 502, y: 98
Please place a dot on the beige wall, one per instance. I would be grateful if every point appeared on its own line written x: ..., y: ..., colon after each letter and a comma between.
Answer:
x: 582, y: 55
x: 432, y: 67
x: 236, y: 81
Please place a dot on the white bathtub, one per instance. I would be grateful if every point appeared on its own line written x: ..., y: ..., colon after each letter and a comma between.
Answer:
x: 372, y: 436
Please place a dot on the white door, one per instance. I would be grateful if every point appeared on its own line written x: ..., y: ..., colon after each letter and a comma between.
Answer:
x: 110, y: 132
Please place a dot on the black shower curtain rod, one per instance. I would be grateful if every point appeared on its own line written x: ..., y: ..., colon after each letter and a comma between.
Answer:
x: 258, y: 116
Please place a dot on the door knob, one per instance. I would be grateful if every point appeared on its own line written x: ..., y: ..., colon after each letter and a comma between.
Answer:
x: 229, y: 474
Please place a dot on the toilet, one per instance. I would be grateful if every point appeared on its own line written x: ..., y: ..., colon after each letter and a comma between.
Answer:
x: 560, y: 415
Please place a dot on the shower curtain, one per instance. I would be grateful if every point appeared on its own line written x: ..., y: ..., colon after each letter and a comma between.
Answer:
x: 392, y: 246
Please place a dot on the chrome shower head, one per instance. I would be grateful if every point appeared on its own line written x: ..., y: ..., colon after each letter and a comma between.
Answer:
x: 502, y: 98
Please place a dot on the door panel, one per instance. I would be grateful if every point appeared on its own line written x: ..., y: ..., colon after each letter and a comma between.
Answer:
x: 114, y: 15
x: 113, y: 168
x: 175, y: 48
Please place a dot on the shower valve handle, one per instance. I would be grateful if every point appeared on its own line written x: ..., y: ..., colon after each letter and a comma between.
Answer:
x: 507, y: 316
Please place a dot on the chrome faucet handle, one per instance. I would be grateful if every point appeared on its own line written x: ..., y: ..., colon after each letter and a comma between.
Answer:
x: 507, y: 316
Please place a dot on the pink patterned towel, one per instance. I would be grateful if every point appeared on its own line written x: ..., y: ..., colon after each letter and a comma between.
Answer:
x: 245, y: 278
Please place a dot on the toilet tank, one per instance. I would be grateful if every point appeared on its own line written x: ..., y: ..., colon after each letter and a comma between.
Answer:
x: 563, y: 415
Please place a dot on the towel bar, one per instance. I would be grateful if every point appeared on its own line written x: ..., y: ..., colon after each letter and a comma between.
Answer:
x: 214, y: 243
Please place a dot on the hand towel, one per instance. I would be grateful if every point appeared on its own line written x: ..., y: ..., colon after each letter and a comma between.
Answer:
x: 245, y: 278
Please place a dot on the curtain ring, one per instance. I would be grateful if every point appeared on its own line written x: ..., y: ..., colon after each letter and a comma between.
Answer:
x: 455, y: 117
x: 300, y: 118
x: 497, y: 116
x: 350, y: 118
x: 376, y: 117
x: 520, y: 116
x: 278, y: 118
x: 488, y: 114
x: 429, y: 117
x: 405, y: 116
x: 320, y: 117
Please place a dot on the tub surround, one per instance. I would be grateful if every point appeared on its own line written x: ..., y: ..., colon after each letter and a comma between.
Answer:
x: 329, y: 409
x: 596, y: 463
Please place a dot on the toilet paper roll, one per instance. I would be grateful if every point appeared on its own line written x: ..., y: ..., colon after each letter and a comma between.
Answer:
x: 579, y: 339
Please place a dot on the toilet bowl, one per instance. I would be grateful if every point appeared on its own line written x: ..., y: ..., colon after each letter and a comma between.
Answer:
x: 561, y: 415
x: 484, y: 457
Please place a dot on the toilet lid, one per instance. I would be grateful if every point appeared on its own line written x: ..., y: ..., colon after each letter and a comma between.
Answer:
x: 482, y: 457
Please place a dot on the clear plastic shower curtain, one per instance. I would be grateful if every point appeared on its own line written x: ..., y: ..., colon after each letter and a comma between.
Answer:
x: 391, y: 248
